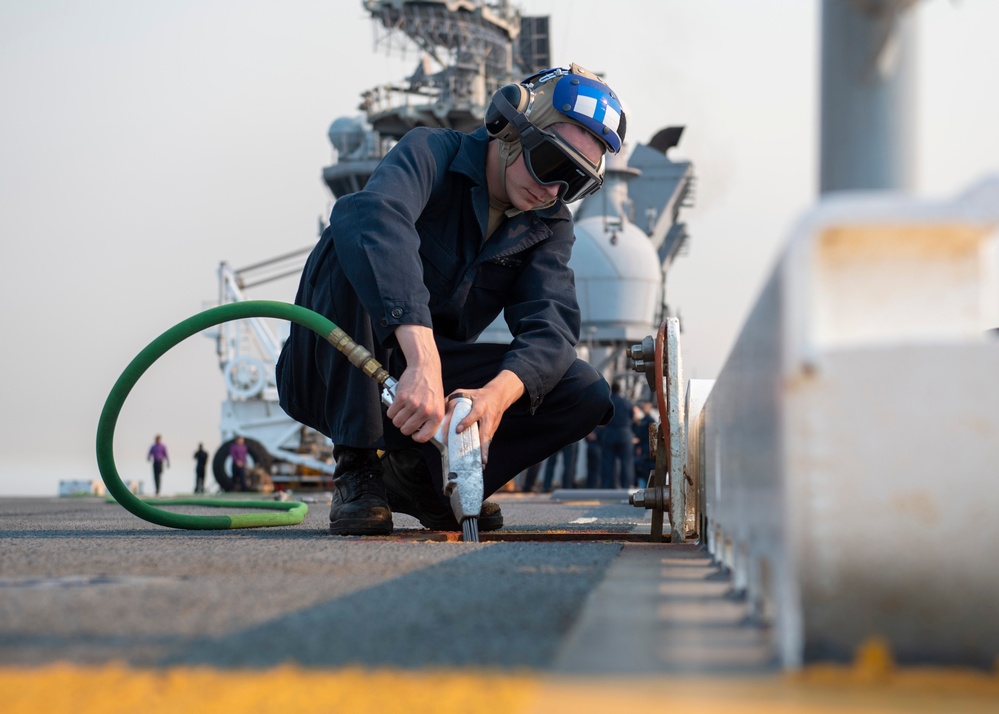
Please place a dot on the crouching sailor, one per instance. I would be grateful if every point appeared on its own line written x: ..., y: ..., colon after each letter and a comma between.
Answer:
x: 451, y: 230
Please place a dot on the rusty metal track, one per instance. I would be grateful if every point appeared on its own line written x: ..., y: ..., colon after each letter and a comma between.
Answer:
x: 552, y: 536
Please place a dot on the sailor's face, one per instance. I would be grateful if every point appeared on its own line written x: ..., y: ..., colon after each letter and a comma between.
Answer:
x: 524, y: 192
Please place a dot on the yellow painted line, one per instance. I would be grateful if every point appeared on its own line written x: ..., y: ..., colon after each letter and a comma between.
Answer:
x: 290, y: 689
x: 117, y: 688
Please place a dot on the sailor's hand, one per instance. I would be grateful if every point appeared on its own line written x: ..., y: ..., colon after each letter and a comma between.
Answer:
x: 488, y: 406
x: 418, y: 407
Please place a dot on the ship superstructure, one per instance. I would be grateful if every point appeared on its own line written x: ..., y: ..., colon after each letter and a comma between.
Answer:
x: 467, y: 50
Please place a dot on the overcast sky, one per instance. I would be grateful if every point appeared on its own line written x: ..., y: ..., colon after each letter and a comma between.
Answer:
x: 141, y: 143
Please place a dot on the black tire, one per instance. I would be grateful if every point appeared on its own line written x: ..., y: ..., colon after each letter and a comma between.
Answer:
x: 221, y: 467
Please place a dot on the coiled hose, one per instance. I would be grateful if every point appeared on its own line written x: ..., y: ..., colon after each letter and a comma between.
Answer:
x: 289, y: 513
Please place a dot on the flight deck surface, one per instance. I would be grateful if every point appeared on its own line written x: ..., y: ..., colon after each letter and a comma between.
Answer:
x: 568, y: 604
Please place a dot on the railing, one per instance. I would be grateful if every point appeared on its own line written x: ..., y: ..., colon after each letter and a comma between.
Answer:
x: 845, y: 459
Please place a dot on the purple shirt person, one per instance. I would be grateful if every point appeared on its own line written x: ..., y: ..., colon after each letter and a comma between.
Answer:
x: 237, y: 452
x: 158, y: 455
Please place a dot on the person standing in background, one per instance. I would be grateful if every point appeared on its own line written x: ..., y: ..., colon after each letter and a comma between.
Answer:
x: 643, y: 448
x: 237, y: 452
x: 531, y: 477
x: 593, y: 456
x: 200, y: 460
x: 619, y: 443
x: 568, y: 468
x: 159, y: 456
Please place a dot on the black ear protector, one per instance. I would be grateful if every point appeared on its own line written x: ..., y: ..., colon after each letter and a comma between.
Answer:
x: 506, y: 110
x: 506, y: 117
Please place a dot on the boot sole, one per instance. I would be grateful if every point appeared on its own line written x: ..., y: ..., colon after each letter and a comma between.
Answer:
x: 359, y: 527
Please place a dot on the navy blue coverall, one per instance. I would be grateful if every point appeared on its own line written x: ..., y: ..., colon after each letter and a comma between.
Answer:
x: 410, y: 249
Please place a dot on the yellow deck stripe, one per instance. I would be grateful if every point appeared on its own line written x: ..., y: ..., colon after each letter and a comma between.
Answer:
x: 118, y: 688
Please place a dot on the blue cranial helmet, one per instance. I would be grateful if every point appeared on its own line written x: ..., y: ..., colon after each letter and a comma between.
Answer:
x: 593, y: 104
x: 554, y: 95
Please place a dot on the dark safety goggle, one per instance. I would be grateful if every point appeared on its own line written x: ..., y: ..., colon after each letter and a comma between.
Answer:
x: 551, y: 159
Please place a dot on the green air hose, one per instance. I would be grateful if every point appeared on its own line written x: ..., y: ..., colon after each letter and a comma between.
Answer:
x: 290, y: 513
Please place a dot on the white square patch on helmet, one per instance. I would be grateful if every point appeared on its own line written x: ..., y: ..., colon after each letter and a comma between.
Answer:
x: 587, y: 106
x: 611, y: 119
x: 591, y: 103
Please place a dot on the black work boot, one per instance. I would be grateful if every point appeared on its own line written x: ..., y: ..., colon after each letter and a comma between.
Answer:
x: 410, y: 488
x: 359, y: 503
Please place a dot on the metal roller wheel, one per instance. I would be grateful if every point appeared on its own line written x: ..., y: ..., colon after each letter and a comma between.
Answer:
x: 659, y: 480
x: 674, y: 437
x: 664, y: 493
